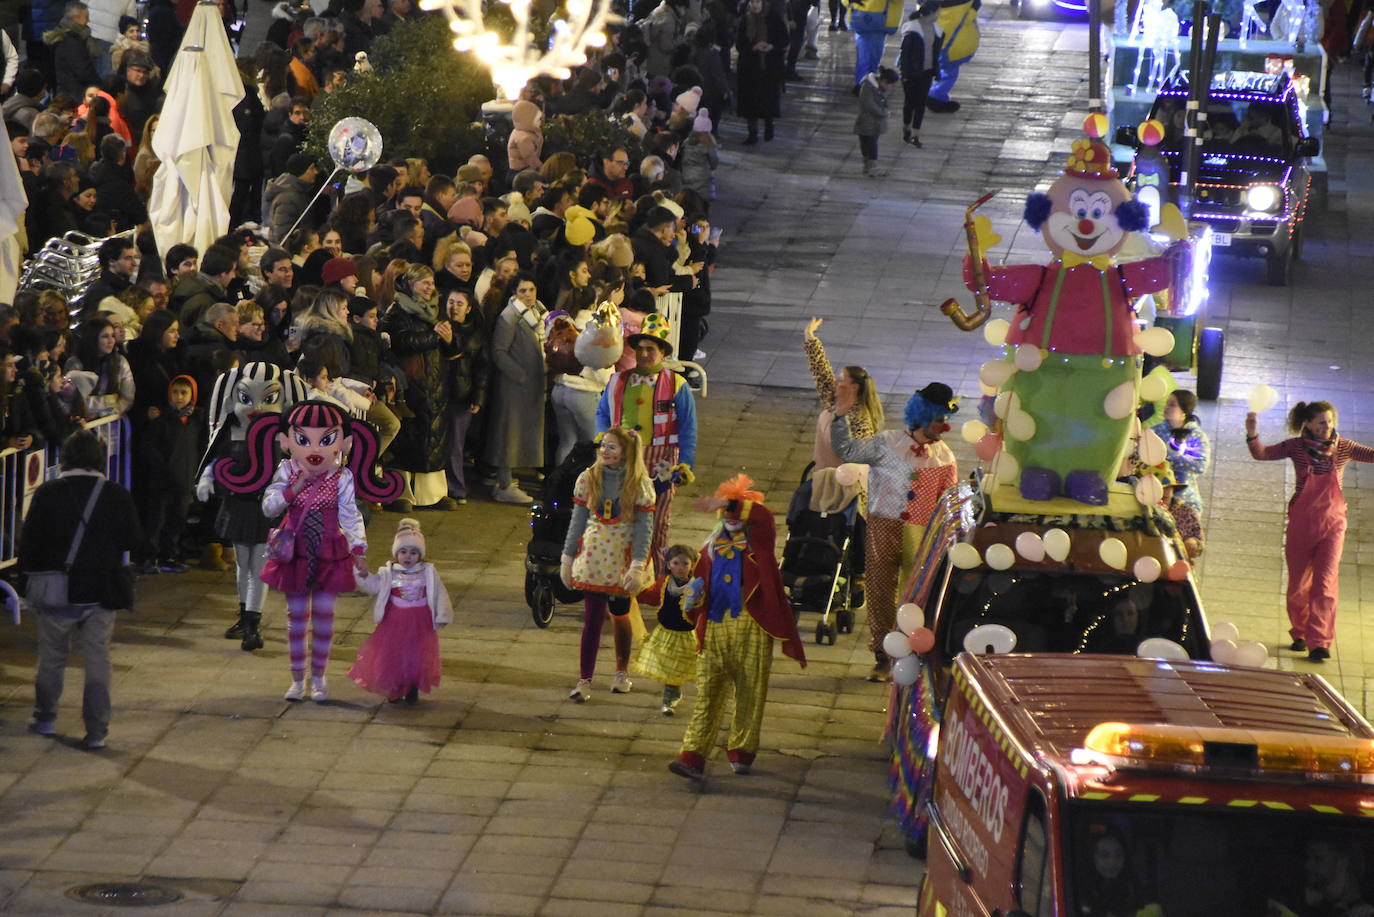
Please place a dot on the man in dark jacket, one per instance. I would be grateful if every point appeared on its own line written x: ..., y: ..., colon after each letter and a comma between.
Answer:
x: 114, y: 183
x: 292, y: 136
x: 26, y: 103
x: 195, y: 293
x: 96, y: 584
x: 73, y: 53
x: 137, y: 91
x: 219, y: 330
x: 164, y: 33
x: 289, y: 194
x: 359, y: 21
x: 118, y: 263
x: 655, y: 247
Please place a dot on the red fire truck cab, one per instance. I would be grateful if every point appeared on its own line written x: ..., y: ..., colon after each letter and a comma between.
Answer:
x: 1094, y: 785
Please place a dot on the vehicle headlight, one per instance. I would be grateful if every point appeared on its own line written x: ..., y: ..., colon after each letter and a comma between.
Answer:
x: 1263, y: 197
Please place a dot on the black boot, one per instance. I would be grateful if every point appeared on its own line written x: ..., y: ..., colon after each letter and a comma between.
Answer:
x: 768, y: 129
x: 753, y: 133
x: 235, y: 631
x: 413, y: 695
x: 252, y: 638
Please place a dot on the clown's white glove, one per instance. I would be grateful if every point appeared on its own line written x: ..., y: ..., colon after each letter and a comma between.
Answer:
x: 633, y: 577
x: 565, y: 570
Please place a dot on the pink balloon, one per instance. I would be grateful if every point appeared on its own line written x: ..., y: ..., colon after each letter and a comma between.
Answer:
x: 922, y: 640
x: 988, y: 447
x: 1178, y: 571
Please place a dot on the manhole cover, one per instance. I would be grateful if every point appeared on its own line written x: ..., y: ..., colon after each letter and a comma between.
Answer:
x: 125, y: 894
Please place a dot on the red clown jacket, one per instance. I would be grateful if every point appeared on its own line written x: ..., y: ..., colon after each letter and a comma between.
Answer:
x: 764, y: 597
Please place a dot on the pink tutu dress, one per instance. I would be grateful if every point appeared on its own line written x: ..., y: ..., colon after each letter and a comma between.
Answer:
x: 403, y: 652
x: 324, y: 520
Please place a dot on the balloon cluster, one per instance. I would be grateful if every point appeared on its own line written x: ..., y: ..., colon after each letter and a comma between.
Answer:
x: 1229, y: 649
x: 1056, y: 544
x: 905, y: 645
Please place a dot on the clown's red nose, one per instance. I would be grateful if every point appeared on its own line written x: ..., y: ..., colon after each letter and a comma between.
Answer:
x: 1085, y: 227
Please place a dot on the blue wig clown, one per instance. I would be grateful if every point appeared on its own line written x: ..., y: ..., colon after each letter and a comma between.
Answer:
x: 932, y: 404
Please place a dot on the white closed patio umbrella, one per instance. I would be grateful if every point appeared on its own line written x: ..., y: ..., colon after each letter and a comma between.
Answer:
x: 13, y: 202
x: 196, y: 137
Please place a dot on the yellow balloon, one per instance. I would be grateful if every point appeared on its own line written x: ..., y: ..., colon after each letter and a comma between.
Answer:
x: 1157, y: 342
x: 1020, y: 426
x: 973, y: 430
x: 995, y: 332
x: 994, y: 373
x: 1004, y: 467
x: 1262, y: 398
x: 1120, y: 401
x: 1148, y: 490
x: 964, y: 556
x: 1000, y: 557
x: 1153, y: 388
x: 1152, y: 448
x: 1057, y: 544
x: 1005, y: 403
x: 1113, y: 553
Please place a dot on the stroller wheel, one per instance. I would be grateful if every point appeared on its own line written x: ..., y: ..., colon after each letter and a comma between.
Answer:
x: 531, y: 582
x: 542, y: 607
x: 825, y: 633
x: 845, y: 620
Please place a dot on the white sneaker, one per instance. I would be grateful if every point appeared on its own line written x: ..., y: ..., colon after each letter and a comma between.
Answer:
x: 511, y: 494
x: 622, y: 683
x: 319, y: 691
x: 582, y: 691
x: 698, y: 356
x: 296, y: 691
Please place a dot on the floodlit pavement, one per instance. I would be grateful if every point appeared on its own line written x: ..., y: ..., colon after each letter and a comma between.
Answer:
x: 499, y: 796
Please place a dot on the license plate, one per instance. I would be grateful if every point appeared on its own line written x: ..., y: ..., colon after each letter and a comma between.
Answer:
x: 1221, y: 239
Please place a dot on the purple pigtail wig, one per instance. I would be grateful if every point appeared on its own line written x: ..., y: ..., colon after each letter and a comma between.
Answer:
x: 260, y: 463
x: 369, y: 480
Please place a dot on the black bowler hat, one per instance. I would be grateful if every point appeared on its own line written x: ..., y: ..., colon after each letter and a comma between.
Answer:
x: 940, y: 395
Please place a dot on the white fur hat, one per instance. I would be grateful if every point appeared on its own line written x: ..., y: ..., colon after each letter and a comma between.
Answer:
x: 408, y: 535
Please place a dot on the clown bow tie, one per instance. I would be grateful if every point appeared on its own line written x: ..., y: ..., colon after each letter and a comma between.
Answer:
x: 638, y: 379
x: 1073, y: 259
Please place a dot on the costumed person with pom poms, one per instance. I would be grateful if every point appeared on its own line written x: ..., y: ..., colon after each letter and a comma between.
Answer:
x: 240, y: 396
x: 742, y: 610
x: 315, y: 551
x: 1315, y: 536
x: 401, y: 657
x: 669, y: 655
x: 909, y: 470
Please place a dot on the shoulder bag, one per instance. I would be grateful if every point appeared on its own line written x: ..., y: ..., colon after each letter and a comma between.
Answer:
x: 48, y: 588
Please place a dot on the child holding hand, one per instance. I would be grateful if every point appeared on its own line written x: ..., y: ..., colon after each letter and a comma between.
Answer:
x: 401, y: 657
x: 670, y: 653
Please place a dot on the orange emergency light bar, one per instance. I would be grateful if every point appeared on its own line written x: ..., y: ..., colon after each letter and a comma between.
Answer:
x: 1318, y: 756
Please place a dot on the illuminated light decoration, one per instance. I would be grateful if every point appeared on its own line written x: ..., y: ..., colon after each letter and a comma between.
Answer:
x: 1315, y: 756
x: 516, y: 61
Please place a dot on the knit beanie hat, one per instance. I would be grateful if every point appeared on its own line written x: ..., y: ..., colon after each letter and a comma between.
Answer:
x: 336, y: 269
x: 408, y: 535
x: 702, y: 122
x: 690, y: 99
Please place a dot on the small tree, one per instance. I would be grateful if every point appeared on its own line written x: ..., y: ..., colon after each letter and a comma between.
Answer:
x: 588, y: 136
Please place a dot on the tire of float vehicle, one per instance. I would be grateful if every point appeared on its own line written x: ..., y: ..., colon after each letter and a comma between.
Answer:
x: 1211, y: 348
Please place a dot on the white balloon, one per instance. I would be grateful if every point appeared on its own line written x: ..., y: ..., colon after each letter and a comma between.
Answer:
x: 1152, y: 448
x: 1113, y: 553
x: 995, y: 332
x: 999, y: 556
x: 1153, y: 388
x: 1030, y: 546
x: 1157, y: 342
x: 1262, y: 398
x: 1005, y: 468
x: 990, y: 638
x: 1148, y: 490
x: 1120, y: 401
x: 906, y: 669
x: 1147, y: 569
x: 1006, y: 403
x: 973, y: 430
x: 1161, y: 648
x: 1225, y: 630
x: 1020, y: 426
x: 1028, y: 358
x: 964, y: 556
x: 995, y: 372
x: 987, y: 391
x: 1251, y: 653
x: 1057, y: 544
x: 1224, y: 651
x: 910, y: 617
x: 896, y: 645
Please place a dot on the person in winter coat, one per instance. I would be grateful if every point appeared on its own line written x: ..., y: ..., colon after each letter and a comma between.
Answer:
x: 245, y: 204
x: 106, y: 19
x: 114, y: 184
x: 43, y: 17
x: 164, y: 33
x: 421, y: 339
x: 467, y: 383
x: 372, y: 363
x: 872, y: 120
x: 662, y: 29
x: 762, y: 45
x: 526, y: 140
x: 919, y: 62
x: 515, y: 435
x: 700, y: 157
x: 74, y: 51
x: 288, y: 196
x: 715, y: 80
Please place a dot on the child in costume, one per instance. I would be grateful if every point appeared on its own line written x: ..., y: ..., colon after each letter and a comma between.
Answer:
x: 1190, y: 451
x: 743, y: 609
x: 401, y: 657
x: 1315, y: 535
x: 670, y: 653
x: 313, y: 553
x: 606, y: 549
x: 240, y: 395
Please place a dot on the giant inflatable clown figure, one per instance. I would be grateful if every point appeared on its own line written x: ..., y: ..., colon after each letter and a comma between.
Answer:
x: 1067, y: 388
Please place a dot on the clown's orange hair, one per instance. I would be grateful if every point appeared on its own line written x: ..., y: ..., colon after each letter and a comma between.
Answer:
x: 737, y: 488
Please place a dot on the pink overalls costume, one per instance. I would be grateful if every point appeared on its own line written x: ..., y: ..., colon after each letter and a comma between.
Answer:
x: 1316, y: 530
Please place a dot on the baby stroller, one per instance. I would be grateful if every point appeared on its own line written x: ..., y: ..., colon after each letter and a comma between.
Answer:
x: 818, y: 562
x: 549, y: 520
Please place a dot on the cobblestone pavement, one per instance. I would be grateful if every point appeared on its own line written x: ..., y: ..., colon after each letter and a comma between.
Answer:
x: 498, y: 796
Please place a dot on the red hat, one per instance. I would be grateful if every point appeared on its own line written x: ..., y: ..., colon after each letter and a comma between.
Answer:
x: 1090, y: 159
x: 336, y: 269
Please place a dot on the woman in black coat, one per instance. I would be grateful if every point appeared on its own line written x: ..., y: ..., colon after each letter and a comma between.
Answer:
x: 761, y: 41
x: 421, y: 340
x: 153, y: 361
x: 467, y: 383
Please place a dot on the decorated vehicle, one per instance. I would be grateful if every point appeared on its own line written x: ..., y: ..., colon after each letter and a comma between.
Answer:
x: 1254, y: 180
x: 1112, y: 785
x: 996, y: 573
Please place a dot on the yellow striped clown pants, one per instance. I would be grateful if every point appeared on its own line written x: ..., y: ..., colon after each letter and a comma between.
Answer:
x: 736, y: 659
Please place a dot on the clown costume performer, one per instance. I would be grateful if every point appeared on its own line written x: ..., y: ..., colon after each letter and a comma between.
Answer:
x: 742, y: 610
x: 657, y: 403
x: 314, y: 552
x: 401, y: 657
x: 669, y: 655
x: 909, y: 470
x: 1316, y: 519
x: 240, y: 396
x: 606, y: 550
